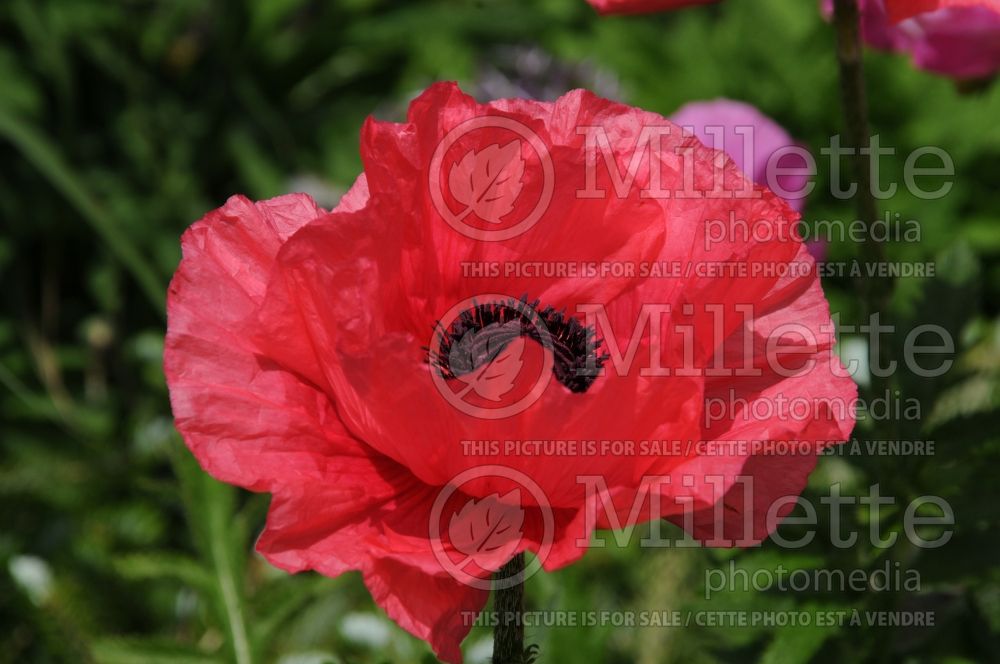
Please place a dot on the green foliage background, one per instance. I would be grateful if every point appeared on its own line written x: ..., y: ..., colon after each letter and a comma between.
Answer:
x: 121, y: 122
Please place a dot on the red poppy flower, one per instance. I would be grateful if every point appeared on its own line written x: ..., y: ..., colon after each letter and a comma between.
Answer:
x: 904, y: 9
x: 297, y: 360
x: 642, y: 6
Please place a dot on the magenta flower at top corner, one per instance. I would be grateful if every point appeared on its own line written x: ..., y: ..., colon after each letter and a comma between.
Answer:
x: 642, y: 6
x: 955, y: 38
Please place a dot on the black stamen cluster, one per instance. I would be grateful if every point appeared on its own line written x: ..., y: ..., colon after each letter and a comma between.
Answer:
x: 480, y: 333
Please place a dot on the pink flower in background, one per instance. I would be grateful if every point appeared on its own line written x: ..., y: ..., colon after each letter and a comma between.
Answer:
x: 750, y: 138
x: 642, y: 6
x: 733, y: 126
x: 957, y: 38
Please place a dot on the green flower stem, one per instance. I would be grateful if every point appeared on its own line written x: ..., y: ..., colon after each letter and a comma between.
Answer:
x: 875, y: 293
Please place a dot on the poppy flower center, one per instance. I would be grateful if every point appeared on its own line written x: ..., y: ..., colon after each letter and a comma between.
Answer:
x: 479, y: 334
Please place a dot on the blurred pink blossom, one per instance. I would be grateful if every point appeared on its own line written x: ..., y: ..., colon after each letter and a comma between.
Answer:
x: 750, y: 138
x: 757, y: 144
x: 957, y: 38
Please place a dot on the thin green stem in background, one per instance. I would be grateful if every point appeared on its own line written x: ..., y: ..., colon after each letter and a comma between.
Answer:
x: 875, y: 292
x: 40, y: 152
x: 227, y: 578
